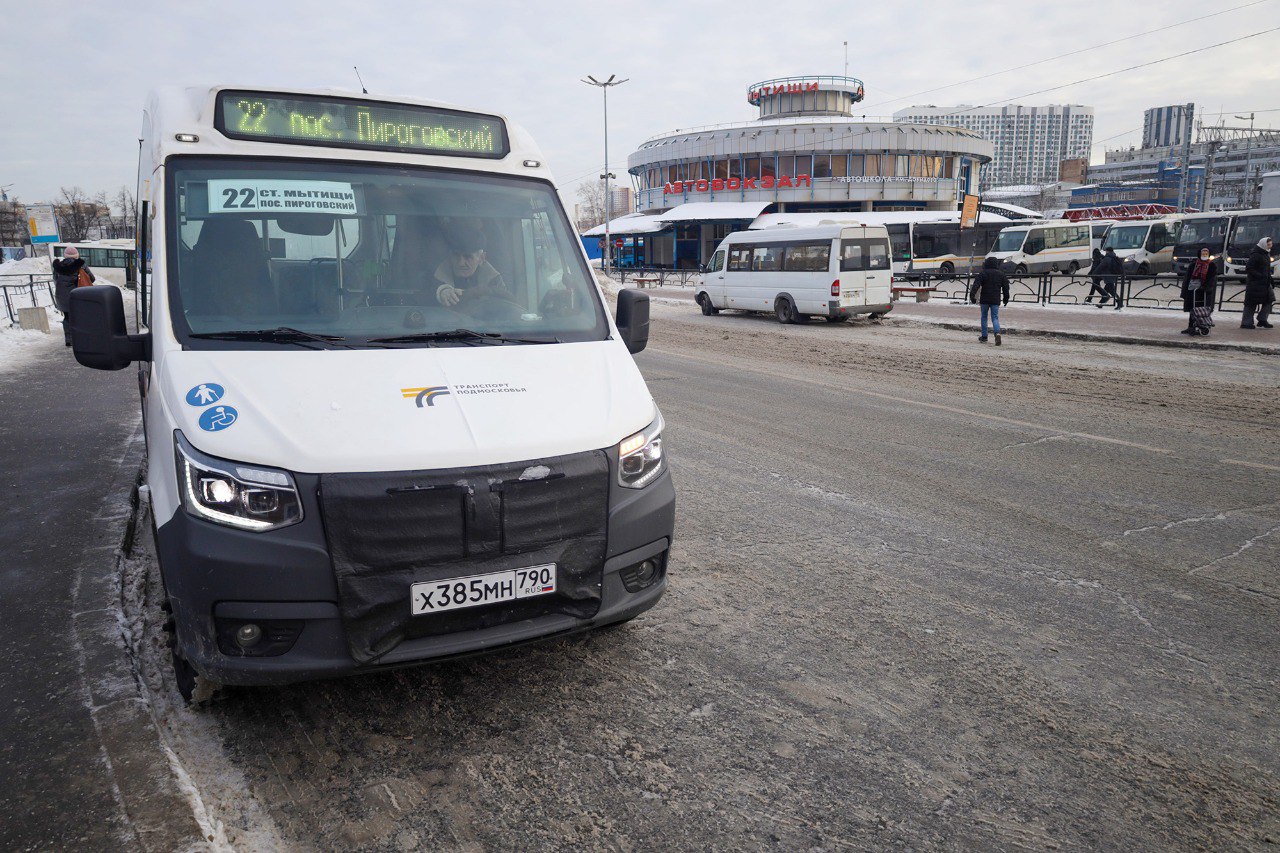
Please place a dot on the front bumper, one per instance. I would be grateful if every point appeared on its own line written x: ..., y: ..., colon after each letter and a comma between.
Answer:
x: 216, y: 575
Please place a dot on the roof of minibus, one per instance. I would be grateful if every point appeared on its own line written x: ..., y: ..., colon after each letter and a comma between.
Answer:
x: 787, y: 233
x: 1258, y: 211
x: 172, y: 110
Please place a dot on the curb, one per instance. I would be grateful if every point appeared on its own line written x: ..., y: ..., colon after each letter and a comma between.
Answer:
x: 158, y: 815
x: 1089, y: 336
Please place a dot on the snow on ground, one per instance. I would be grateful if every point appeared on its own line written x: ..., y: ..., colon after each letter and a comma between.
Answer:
x: 26, y: 266
x: 17, y: 347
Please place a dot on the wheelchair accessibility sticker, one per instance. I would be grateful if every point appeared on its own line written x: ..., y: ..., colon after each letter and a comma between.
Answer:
x: 218, y: 418
x: 205, y: 394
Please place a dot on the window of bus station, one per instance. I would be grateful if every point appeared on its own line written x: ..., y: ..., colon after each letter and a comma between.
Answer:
x: 817, y: 166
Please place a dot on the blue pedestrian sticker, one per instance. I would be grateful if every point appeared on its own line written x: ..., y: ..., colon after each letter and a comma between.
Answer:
x: 205, y: 394
x: 218, y: 418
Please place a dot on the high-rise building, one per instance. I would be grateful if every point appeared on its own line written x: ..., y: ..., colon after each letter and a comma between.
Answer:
x: 622, y: 199
x: 1030, y: 142
x: 1165, y: 126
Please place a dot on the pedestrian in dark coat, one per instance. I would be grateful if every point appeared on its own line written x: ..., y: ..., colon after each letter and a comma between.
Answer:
x: 1095, y: 272
x: 1110, y: 268
x: 990, y: 288
x: 67, y: 272
x: 1198, y: 288
x: 1258, y: 293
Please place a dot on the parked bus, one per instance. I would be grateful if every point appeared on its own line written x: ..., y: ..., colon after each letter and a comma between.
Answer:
x: 831, y: 271
x: 944, y: 248
x: 111, y: 260
x: 1058, y: 246
x: 388, y: 416
x: 1098, y: 231
x: 898, y: 222
x: 1202, y: 231
x: 1250, y: 227
x: 1144, y: 247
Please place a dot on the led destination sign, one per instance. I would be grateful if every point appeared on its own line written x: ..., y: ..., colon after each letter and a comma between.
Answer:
x: 349, y: 123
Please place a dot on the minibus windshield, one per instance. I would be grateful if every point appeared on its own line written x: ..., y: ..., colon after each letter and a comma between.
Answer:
x: 1126, y: 237
x: 1251, y: 229
x: 321, y: 254
x: 1009, y: 241
x: 1195, y: 231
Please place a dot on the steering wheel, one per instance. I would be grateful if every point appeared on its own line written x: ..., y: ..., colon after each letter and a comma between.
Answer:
x: 492, y: 308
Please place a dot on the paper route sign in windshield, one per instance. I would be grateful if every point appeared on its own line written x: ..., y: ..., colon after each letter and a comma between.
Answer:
x: 242, y: 195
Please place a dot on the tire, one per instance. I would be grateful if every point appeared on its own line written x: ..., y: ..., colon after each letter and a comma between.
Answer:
x: 948, y: 269
x: 704, y: 302
x: 1073, y: 267
x: 836, y: 319
x: 1020, y: 269
x: 1144, y: 268
x: 784, y: 310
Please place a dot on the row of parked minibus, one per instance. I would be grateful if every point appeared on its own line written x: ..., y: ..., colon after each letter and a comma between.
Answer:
x: 1145, y: 247
x: 843, y: 266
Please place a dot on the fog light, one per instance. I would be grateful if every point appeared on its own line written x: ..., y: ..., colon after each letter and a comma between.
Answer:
x: 248, y: 635
x: 642, y: 574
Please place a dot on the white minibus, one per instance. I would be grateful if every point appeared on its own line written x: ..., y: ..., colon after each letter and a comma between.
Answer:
x: 1058, y: 246
x: 1144, y: 247
x: 833, y: 271
x: 1250, y: 227
x: 388, y: 417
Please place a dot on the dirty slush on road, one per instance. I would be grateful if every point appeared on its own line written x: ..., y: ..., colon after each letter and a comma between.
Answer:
x: 932, y: 626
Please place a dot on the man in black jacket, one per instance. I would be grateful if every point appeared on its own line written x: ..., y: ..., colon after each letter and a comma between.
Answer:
x: 1258, y: 293
x: 66, y: 277
x: 990, y: 288
x: 1109, y: 268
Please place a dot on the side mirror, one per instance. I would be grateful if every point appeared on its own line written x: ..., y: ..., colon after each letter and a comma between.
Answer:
x: 633, y: 319
x: 99, y: 337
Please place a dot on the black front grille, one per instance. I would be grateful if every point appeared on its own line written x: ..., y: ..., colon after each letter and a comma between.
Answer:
x: 387, y: 531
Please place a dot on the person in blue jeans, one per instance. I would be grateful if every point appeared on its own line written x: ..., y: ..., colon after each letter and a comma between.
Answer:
x: 990, y: 289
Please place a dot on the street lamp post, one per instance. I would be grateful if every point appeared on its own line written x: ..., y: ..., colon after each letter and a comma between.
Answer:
x: 608, y: 197
x: 1248, y: 164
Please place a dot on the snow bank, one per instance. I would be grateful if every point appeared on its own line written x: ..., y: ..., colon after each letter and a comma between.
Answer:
x: 19, y: 348
x: 26, y: 266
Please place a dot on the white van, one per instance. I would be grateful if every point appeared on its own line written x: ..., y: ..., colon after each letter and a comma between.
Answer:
x: 832, y: 271
x: 1144, y: 247
x: 1058, y: 246
x: 1250, y: 227
x: 388, y: 416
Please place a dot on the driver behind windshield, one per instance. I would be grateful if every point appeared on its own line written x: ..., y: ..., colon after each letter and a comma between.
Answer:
x: 467, y: 276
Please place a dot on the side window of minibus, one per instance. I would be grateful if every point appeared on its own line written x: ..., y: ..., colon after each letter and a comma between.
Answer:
x: 717, y: 261
x: 1034, y: 244
x: 767, y: 258
x: 739, y: 259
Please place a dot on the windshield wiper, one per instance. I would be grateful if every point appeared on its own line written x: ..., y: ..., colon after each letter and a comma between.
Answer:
x: 280, y: 334
x: 467, y: 335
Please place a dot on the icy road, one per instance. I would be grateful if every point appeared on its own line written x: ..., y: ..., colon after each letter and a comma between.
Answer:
x: 925, y: 594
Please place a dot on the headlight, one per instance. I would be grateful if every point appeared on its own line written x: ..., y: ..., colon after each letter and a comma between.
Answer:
x: 640, y: 456
x: 245, y: 496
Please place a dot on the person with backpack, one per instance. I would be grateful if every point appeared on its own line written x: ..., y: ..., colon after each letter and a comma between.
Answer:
x: 69, y: 272
x: 1259, y: 295
x: 1110, y: 268
x: 990, y: 288
x: 1198, y: 287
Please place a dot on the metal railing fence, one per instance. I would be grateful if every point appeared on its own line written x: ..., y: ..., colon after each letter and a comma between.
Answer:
x: 28, y: 291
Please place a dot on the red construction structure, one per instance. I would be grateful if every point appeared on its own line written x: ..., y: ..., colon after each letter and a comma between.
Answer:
x: 1123, y: 211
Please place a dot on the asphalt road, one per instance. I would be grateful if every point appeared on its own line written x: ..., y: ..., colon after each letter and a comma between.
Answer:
x: 925, y: 594
x: 63, y: 431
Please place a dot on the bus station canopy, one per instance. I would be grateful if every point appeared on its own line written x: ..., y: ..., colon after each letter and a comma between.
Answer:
x: 714, y: 211
x: 632, y: 223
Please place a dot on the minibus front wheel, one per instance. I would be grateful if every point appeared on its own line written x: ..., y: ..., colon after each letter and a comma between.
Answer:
x: 704, y: 302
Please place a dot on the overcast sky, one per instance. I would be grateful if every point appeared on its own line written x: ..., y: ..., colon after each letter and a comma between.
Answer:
x: 75, y: 80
